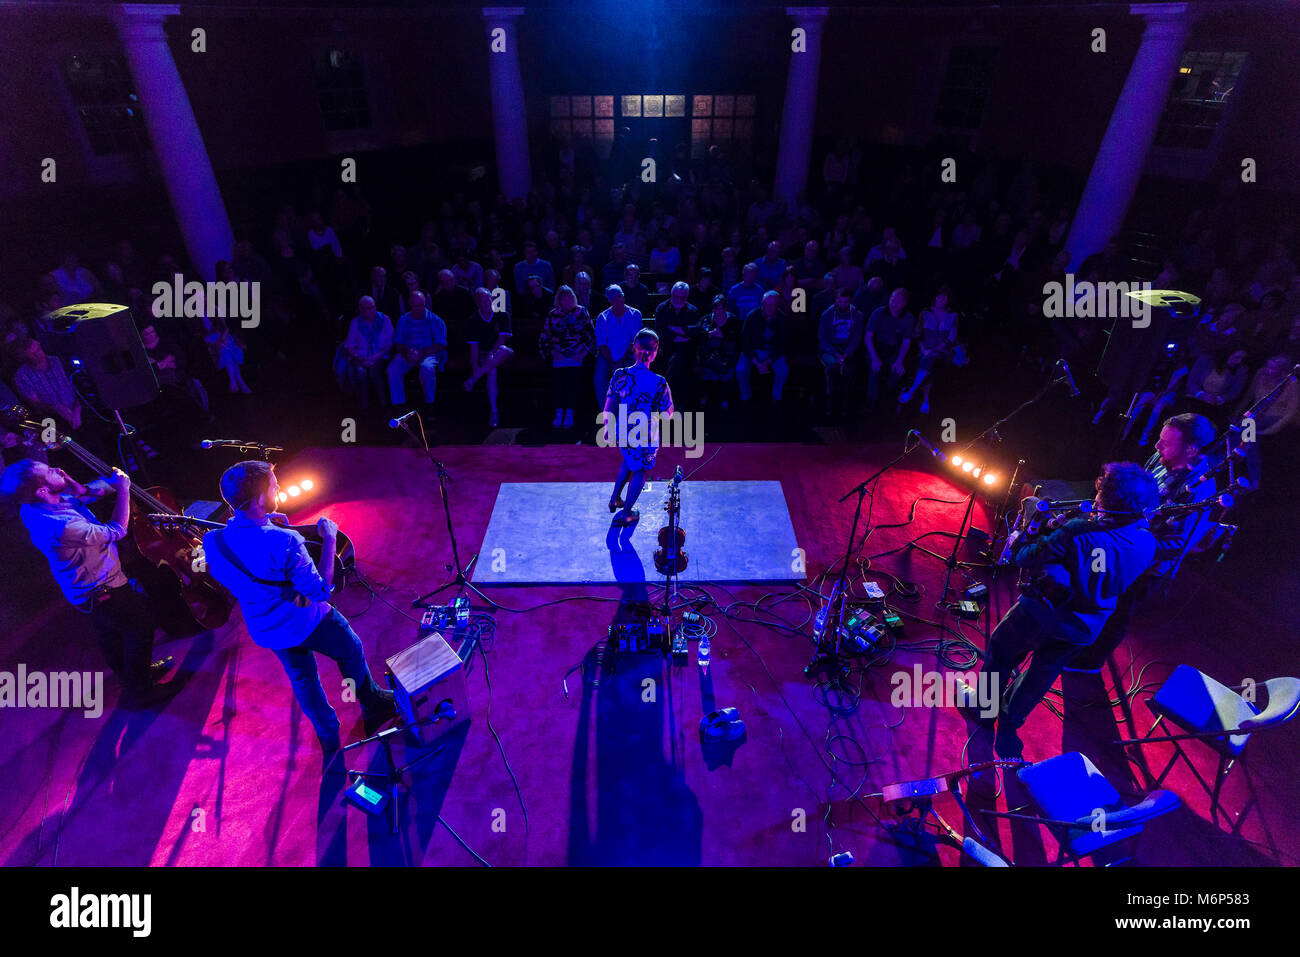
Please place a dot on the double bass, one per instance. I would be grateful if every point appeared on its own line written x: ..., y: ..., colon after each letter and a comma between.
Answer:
x: 177, y: 549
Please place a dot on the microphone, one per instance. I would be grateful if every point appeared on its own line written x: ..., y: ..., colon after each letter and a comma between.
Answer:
x: 397, y: 422
x: 929, y: 447
x: 225, y: 443
x: 677, y: 477
x: 1065, y: 367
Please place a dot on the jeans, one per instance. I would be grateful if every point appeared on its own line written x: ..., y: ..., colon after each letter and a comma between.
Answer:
x: 398, y: 368
x: 745, y: 368
x: 333, y: 638
x: 361, y: 381
x: 604, y: 372
x: 1017, y: 635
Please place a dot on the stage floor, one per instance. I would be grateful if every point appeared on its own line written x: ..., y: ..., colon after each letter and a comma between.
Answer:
x: 611, y: 769
x: 561, y: 533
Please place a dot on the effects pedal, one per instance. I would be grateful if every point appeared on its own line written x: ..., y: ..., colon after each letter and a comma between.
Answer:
x: 967, y: 609
x: 976, y: 592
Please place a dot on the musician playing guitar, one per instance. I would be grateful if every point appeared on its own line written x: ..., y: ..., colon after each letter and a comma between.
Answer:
x: 82, y: 552
x: 285, y: 598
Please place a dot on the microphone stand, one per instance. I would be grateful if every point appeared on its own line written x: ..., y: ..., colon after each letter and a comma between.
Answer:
x: 826, y: 656
x: 263, y: 451
x: 461, y: 580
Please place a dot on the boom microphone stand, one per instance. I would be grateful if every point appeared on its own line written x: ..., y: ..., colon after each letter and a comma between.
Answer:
x: 461, y: 580
x: 827, y: 655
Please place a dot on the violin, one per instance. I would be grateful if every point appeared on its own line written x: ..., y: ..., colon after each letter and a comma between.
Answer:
x: 669, y: 557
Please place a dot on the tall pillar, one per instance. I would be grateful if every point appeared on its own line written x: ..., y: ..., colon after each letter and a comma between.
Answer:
x: 1122, y: 155
x: 174, y: 134
x: 800, y: 107
x: 509, y: 115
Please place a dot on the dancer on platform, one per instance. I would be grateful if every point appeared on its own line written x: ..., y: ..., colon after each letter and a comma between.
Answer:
x: 634, y: 403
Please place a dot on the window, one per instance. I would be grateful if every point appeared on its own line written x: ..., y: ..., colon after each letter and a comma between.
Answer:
x: 341, y: 89
x: 654, y: 106
x: 1200, y: 94
x: 966, y: 84
x: 105, y: 99
x: 722, y: 120
x: 583, y: 119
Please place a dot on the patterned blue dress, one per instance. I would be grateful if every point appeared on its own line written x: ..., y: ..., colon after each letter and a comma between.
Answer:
x: 646, y: 392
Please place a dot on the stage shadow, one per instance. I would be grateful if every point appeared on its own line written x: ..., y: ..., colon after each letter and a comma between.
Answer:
x: 645, y: 815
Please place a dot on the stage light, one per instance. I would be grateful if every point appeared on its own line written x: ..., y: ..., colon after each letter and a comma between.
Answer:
x: 294, y: 491
x: 306, y: 485
x: 990, y: 478
x: 976, y: 473
x: 282, y: 497
x: 967, y: 465
x: 956, y: 460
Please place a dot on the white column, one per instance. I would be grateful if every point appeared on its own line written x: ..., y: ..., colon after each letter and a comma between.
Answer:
x: 1122, y: 155
x: 509, y: 115
x: 800, y: 107
x: 174, y: 134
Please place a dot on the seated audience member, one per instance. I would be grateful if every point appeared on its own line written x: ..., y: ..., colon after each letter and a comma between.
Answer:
x: 771, y: 268
x: 387, y: 297
x: 75, y: 282
x: 871, y: 296
x: 1213, y: 383
x: 531, y: 307
x: 453, y: 304
x: 889, y: 335
x: 531, y: 265
x: 717, y: 353
x: 891, y: 266
x: 492, y: 282
x: 488, y: 335
x: 840, y: 343
x: 167, y: 356
x: 938, y: 340
x: 846, y: 274
x: 420, y: 342
x: 577, y: 263
x: 810, y: 269
x: 704, y: 291
x: 42, y: 383
x: 225, y: 348
x: 469, y: 274
x: 764, y: 341
x: 746, y: 296
x: 1282, y: 411
x: 665, y: 258
x: 615, y: 270
x: 675, y: 320
x: 566, y: 340
x: 365, y: 351
x: 634, y: 290
x: 410, y: 284
x: 729, y: 272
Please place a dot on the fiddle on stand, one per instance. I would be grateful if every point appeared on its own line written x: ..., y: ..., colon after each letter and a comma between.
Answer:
x: 669, y: 558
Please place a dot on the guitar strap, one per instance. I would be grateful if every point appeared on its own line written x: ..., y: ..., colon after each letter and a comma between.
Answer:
x: 228, y: 554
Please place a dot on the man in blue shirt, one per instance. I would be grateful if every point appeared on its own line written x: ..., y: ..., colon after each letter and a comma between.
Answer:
x: 285, y: 599
x: 82, y: 553
x: 745, y: 296
x: 420, y: 342
x: 530, y: 265
x: 1081, y: 570
x: 771, y: 268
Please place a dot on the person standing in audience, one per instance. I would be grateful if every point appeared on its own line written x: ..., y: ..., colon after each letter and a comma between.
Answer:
x: 614, y: 328
x: 567, y: 339
x: 488, y: 336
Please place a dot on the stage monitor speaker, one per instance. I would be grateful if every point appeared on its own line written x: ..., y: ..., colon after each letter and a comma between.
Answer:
x: 423, y: 677
x: 106, y: 341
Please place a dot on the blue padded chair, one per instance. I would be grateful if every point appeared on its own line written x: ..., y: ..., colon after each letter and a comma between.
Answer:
x: 1080, y: 807
x: 1216, y: 714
